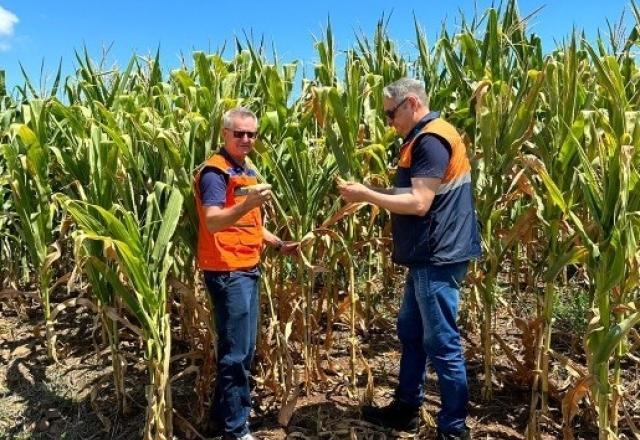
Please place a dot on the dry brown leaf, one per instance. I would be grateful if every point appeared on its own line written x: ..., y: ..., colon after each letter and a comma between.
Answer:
x: 26, y: 374
x: 525, y: 223
x: 106, y: 423
x: 21, y: 351
x: 571, y: 401
x: 367, y: 398
x: 345, y: 211
x: 13, y: 293
x: 530, y: 333
x: 286, y: 412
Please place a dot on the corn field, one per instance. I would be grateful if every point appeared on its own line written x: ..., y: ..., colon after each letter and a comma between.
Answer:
x: 96, y: 182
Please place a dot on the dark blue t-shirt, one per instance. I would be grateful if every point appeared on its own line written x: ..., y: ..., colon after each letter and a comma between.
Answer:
x: 213, y: 182
x: 213, y: 187
x: 430, y: 157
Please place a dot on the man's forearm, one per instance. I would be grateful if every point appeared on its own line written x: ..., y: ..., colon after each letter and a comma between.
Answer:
x: 402, y: 202
x: 389, y: 191
x: 270, y: 238
x: 226, y: 217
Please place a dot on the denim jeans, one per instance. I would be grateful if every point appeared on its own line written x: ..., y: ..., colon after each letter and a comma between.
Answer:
x: 235, y: 304
x: 428, y: 332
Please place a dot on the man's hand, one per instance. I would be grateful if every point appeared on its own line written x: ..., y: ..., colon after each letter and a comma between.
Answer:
x: 218, y: 218
x: 258, y: 198
x: 281, y: 246
x: 353, y: 192
x: 289, y: 247
x: 415, y: 200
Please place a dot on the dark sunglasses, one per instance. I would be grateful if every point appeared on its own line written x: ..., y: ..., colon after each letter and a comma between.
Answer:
x: 390, y: 114
x: 239, y: 134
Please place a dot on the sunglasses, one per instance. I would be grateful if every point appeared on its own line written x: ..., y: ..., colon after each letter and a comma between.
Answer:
x: 239, y: 134
x: 390, y: 114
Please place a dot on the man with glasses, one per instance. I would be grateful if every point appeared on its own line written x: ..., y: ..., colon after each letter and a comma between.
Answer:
x: 435, y: 234
x: 230, y: 239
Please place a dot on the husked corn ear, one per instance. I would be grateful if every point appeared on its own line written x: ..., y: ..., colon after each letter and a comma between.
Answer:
x: 251, y: 189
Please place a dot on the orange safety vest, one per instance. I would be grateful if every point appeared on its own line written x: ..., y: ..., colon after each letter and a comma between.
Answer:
x: 237, y: 246
x: 459, y: 165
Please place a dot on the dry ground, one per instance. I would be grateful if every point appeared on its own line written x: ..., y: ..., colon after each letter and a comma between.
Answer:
x: 41, y: 400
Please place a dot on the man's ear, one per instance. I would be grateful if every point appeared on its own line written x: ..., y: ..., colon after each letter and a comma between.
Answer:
x: 415, y: 104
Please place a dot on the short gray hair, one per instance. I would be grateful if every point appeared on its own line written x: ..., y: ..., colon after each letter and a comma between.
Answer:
x: 242, y: 112
x: 400, y: 89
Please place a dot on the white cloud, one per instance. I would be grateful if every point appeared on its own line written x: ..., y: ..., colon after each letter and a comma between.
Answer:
x: 7, y: 21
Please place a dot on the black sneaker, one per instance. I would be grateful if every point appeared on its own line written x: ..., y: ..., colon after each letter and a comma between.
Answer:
x: 464, y: 435
x: 398, y: 415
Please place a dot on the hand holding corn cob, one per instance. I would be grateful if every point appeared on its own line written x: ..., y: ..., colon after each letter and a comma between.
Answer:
x: 252, y: 189
x: 256, y: 194
x: 352, y: 191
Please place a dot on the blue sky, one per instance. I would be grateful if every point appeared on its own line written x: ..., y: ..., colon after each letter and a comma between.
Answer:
x: 35, y: 31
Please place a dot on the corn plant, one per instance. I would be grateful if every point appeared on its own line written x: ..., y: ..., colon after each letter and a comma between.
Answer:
x: 562, y: 130
x: 504, y: 106
x: 141, y: 250
x: 611, y: 185
x: 28, y: 159
x: 553, y: 140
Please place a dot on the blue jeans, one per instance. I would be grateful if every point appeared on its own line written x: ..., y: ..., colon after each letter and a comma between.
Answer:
x: 428, y: 332
x: 235, y: 304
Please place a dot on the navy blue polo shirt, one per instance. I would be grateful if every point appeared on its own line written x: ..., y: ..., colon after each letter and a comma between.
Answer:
x: 431, y: 154
x: 213, y: 182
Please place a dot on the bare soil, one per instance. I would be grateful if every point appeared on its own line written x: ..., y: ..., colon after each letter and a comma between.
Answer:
x: 73, y: 399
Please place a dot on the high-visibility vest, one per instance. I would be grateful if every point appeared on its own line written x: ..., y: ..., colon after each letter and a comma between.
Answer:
x: 237, y: 246
x: 449, y: 232
x: 459, y: 166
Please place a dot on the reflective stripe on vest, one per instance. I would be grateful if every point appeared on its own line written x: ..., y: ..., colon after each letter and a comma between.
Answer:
x: 237, y: 246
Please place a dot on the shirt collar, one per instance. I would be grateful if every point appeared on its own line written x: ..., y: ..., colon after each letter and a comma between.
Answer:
x: 225, y: 153
x: 420, y: 125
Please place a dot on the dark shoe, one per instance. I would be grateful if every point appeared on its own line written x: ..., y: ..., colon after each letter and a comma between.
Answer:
x: 398, y: 415
x: 464, y: 435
